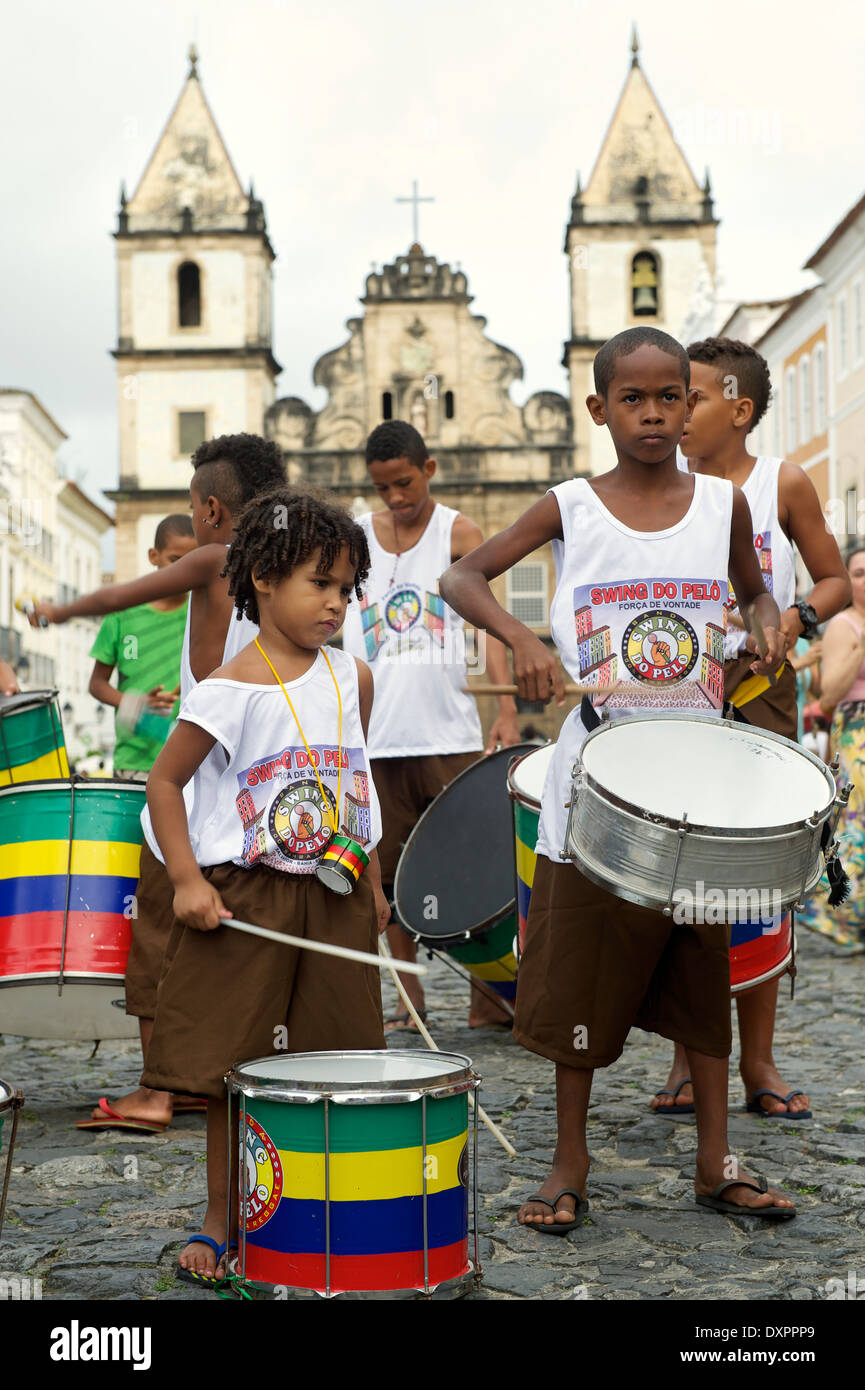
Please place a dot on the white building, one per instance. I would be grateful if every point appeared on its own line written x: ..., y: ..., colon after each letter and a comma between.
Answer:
x: 80, y: 525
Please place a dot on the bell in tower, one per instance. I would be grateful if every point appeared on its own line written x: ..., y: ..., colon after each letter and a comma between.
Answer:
x: 644, y: 285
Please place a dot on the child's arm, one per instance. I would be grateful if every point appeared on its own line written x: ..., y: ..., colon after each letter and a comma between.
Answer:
x: 8, y: 680
x: 194, y: 571
x: 366, y: 690
x: 465, y: 586
x: 807, y: 529
x: 100, y: 684
x: 751, y: 596
x: 465, y: 538
x: 196, y: 903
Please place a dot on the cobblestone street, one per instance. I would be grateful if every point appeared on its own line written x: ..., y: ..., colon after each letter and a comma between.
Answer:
x: 102, y: 1215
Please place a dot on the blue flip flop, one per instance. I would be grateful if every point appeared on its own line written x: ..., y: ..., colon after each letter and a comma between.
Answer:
x: 190, y: 1276
x: 753, y: 1106
x: 683, y: 1109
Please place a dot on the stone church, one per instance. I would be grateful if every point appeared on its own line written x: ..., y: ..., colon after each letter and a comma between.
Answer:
x: 194, y: 348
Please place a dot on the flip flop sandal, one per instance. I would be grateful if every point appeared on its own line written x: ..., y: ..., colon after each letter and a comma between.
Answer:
x: 753, y: 1106
x: 190, y: 1276
x: 715, y: 1203
x: 195, y: 1105
x: 114, y: 1120
x: 683, y: 1109
x: 558, y: 1228
x: 403, y: 1023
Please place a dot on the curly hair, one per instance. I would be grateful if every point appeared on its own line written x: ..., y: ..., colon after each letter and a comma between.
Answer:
x: 396, y: 439
x: 623, y: 344
x: 235, y: 467
x: 279, y: 530
x: 739, y: 362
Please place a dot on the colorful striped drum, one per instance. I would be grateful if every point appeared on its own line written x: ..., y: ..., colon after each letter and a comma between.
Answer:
x: 342, y: 864
x: 69, y: 855
x: 354, y: 1171
x: 32, y: 746
x: 525, y: 784
x: 759, y: 951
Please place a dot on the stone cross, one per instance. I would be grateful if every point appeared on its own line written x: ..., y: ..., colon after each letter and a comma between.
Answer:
x: 414, y: 200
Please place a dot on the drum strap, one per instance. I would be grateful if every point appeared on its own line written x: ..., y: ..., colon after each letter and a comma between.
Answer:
x: 753, y: 687
x: 589, y: 715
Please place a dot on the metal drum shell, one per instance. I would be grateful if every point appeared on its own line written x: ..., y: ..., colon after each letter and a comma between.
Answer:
x: 632, y: 853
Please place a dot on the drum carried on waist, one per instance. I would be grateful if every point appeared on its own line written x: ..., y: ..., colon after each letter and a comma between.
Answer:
x: 32, y: 745
x: 69, y: 855
x: 454, y: 884
x: 700, y: 818
x: 355, y: 1171
x: 525, y: 784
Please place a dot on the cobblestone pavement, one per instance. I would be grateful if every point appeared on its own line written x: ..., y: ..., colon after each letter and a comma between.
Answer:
x: 101, y: 1215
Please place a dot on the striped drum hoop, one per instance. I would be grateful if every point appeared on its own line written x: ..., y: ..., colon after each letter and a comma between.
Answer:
x: 32, y: 745
x: 525, y: 784
x: 454, y: 884
x: 69, y: 855
x: 354, y: 1171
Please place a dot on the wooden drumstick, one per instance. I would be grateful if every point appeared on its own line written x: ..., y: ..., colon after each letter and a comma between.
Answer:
x: 324, y: 947
x: 757, y: 629
x: 390, y: 964
x: 512, y: 689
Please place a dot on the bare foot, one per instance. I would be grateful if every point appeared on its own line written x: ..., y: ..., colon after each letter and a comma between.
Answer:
x: 143, y: 1104
x: 536, y: 1214
x: 764, y: 1076
x: 708, y: 1178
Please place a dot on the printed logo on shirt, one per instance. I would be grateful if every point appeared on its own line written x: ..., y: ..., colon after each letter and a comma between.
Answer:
x: 405, y: 622
x: 301, y: 820
x: 263, y: 1177
x: 287, y: 821
x: 402, y: 610
x: 763, y: 547
x: 660, y: 647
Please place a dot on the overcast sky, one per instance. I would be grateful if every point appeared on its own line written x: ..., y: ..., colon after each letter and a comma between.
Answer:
x: 333, y: 109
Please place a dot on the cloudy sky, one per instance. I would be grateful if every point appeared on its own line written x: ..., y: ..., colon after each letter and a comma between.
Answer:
x: 333, y: 109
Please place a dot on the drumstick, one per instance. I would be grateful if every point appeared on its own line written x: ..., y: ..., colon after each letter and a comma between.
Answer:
x: 757, y: 629
x: 388, y: 961
x: 347, y: 952
x: 512, y: 689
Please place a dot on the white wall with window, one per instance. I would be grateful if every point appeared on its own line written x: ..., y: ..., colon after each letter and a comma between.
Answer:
x: 841, y: 334
x: 527, y: 593
x: 805, y: 429
x: 819, y: 374
x: 858, y: 330
x: 790, y: 433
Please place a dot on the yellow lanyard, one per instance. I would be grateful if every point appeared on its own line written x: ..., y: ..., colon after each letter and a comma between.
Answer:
x: 332, y: 816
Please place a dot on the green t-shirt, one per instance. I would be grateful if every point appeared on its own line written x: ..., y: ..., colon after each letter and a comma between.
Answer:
x: 145, y: 645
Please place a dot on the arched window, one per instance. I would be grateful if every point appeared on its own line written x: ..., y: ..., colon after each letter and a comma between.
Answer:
x: 386, y: 406
x: 189, y: 295
x: 644, y: 285
x: 449, y: 405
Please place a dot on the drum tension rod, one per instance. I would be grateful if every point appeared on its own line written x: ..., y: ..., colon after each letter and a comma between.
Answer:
x: 681, y: 832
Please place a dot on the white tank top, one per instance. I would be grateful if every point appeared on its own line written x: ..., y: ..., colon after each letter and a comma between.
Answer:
x: 774, y: 550
x: 416, y: 648
x: 266, y: 805
x: 642, y: 607
x: 239, y: 635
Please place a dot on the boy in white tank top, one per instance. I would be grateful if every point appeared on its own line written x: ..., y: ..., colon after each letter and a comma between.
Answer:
x: 592, y: 959
x: 425, y: 729
x: 732, y: 390
x: 289, y: 722
x: 227, y: 472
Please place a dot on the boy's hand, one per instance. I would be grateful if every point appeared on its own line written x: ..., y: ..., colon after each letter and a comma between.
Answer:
x: 197, y: 904
x: 50, y: 612
x: 160, y: 698
x: 382, y: 909
x: 505, y: 731
x: 776, y: 651
x: 536, y: 670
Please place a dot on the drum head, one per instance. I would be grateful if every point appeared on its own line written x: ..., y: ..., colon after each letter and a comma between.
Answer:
x: 526, y: 777
x: 457, y: 871
x: 721, y: 773
x: 352, y: 1071
x: 5, y: 1095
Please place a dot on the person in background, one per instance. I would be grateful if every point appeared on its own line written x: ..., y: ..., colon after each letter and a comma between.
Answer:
x: 144, y: 645
x: 8, y: 680
x: 843, y: 690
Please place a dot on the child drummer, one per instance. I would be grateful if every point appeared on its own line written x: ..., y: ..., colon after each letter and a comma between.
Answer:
x: 645, y: 551
x: 283, y: 729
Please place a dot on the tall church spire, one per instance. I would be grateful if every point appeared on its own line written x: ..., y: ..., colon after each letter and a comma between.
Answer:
x: 635, y: 48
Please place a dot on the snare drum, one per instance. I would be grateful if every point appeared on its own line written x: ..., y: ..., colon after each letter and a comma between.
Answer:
x: 454, y: 884
x: 692, y: 813
x: 32, y: 746
x: 525, y: 784
x: 354, y: 1171
x: 69, y: 856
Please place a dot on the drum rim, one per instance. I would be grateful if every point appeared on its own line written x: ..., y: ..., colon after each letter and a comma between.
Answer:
x: 462, y: 938
x: 715, y: 831
x: 658, y: 904
x: 7, y: 1095
x: 469, y: 933
x: 26, y: 699
x: 353, y: 1092
x: 516, y: 793
x: 767, y: 975
x: 81, y: 784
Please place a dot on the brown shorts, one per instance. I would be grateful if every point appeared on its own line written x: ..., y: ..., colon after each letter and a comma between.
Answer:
x: 151, y: 929
x: 405, y: 787
x: 595, y: 966
x: 776, y: 709
x: 224, y: 994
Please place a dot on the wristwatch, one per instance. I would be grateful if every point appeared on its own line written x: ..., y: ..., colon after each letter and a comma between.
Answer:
x: 807, y: 617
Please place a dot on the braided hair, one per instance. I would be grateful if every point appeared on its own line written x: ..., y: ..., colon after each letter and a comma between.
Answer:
x: 279, y: 530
